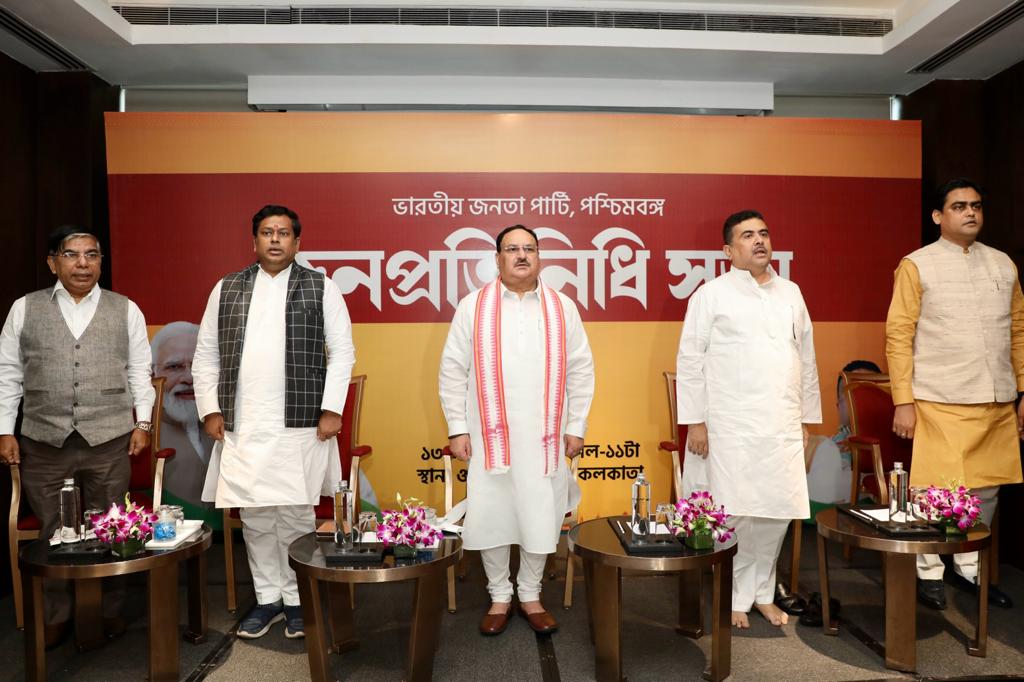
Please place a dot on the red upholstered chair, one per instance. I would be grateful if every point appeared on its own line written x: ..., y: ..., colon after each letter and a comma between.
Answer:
x: 872, y: 443
x: 675, y: 449
x: 145, y: 484
x: 350, y: 454
x: 677, y: 445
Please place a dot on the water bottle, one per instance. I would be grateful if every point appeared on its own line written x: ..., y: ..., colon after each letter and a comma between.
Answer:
x: 641, y: 518
x: 71, y: 528
x: 899, y: 492
x: 344, y: 513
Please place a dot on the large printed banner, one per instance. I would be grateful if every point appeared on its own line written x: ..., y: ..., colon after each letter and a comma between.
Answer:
x: 400, y: 210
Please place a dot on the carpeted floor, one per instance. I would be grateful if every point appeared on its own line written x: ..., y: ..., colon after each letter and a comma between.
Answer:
x: 652, y: 649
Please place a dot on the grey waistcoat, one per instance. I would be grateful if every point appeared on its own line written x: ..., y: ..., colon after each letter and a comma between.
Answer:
x: 305, y: 357
x: 75, y: 385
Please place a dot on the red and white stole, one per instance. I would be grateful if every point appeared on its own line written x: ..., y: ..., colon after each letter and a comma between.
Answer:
x: 490, y: 386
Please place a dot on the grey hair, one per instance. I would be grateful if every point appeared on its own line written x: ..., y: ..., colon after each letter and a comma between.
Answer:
x: 168, y: 331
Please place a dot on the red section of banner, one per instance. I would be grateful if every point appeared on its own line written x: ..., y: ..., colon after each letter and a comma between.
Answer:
x: 174, y: 236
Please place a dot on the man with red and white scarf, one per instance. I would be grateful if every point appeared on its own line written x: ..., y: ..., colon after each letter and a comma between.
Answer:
x: 516, y: 383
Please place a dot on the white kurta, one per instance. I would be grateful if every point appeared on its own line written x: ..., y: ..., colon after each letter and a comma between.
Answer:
x: 261, y: 463
x: 746, y: 368
x: 521, y: 507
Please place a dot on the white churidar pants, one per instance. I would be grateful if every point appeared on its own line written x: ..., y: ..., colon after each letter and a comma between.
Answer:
x: 753, y: 570
x: 499, y: 584
x: 930, y: 566
x: 268, y: 531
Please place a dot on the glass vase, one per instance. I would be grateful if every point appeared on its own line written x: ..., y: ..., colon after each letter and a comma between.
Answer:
x: 699, y: 541
x: 404, y: 552
x: 127, y: 549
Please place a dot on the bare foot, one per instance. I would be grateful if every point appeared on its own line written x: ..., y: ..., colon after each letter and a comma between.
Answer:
x: 531, y: 606
x: 739, y: 620
x: 499, y: 607
x: 773, y: 614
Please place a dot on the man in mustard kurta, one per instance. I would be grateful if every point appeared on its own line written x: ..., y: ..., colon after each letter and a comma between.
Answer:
x: 955, y: 345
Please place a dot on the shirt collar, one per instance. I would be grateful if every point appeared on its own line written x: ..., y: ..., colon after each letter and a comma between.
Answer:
x: 286, y: 273
x: 955, y: 248
x: 745, y: 276
x: 505, y: 290
x: 93, y: 293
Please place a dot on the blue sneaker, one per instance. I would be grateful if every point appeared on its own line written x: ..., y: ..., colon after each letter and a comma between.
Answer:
x: 259, y: 620
x: 293, y: 627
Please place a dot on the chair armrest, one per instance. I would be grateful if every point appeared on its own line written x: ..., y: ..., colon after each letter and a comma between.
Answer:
x: 668, y: 446
x: 862, y: 441
x: 361, y: 450
x: 165, y: 453
x: 446, y: 451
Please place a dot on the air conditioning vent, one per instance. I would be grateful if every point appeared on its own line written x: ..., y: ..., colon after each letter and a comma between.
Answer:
x: 973, y: 37
x: 500, y: 16
x: 19, y: 29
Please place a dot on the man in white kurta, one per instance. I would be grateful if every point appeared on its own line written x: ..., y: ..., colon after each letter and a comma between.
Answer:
x: 525, y: 502
x: 747, y: 381
x: 276, y: 450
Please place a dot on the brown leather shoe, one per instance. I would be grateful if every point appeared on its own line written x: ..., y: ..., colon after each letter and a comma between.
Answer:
x: 495, y: 623
x: 541, y: 621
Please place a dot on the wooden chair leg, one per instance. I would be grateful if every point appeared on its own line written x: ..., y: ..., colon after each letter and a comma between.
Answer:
x: 19, y: 606
x: 451, y: 589
x: 549, y: 566
x: 352, y: 594
x: 570, y: 569
x: 229, y: 564
x: 993, y: 564
x: 794, y: 567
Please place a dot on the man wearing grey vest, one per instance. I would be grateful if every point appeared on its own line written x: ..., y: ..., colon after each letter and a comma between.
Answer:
x: 76, y: 357
x: 955, y: 345
x: 271, y: 372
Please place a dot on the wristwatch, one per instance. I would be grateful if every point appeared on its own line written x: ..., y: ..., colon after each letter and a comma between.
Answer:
x: 144, y: 426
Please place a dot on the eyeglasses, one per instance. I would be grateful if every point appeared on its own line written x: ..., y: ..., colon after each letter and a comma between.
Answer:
x: 528, y: 249
x: 73, y: 256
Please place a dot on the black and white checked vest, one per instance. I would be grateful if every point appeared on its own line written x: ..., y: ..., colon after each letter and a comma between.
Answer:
x: 305, y: 357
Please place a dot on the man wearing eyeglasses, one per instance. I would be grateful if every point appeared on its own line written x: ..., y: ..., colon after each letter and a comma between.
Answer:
x: 76, y: 357
x: 516, y: 383
x: 955, y: 345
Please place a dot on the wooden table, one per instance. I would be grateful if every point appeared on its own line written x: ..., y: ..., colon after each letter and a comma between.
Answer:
x: 307, y: 559
x: 899, y: 564
x: 162, y: 568
x: 603, y: 560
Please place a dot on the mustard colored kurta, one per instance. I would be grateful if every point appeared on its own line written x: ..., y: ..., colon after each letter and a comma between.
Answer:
x: 976, y: 444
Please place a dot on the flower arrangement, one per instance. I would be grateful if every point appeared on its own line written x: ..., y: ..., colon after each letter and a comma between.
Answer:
x: 954, y: 506
x: 125, y: 528
x: 407, y: 526
x: 700, y: 522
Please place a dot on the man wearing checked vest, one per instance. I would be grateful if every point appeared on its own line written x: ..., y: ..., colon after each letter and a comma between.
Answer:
x: 271, y: 372
x: 955, y: 345
x: 516, y: 383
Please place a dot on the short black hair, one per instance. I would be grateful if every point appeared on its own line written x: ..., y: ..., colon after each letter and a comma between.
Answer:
x: 737, y: 218
x: 55, y: 240
x: 943, y: 190
x: 501, y: 235
x: 855, y: 365
x: 272, y: 210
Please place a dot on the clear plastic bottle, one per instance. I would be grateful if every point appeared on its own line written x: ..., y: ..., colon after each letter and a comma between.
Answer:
x: 71, y: 529
x: 641, y: 517
x: 899, y: 493
x: 344, y: 512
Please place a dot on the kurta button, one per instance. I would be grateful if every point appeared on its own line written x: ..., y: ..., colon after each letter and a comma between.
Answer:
x: 76, y: 383
x: 77, y: 346
x: 76, y: 364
